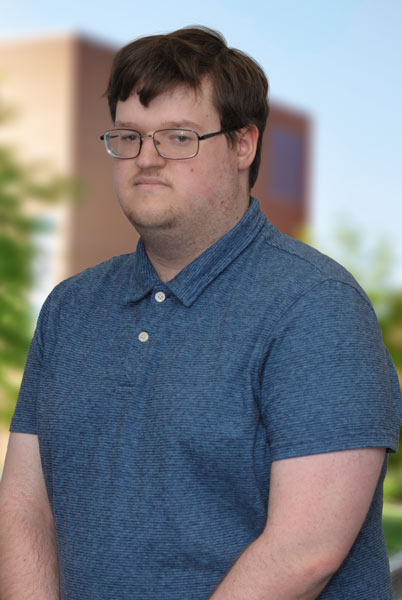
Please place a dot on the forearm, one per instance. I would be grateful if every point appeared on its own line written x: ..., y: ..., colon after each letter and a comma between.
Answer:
x: 28, y: 556
x: 265, y: 572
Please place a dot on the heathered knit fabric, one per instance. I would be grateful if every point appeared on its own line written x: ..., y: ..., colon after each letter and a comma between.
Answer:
x: 157, y: 453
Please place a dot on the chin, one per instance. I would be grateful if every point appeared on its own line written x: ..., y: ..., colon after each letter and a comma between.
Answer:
x: 150, y: 220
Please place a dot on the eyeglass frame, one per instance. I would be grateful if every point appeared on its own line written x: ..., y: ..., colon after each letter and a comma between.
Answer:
x: 200, y: 138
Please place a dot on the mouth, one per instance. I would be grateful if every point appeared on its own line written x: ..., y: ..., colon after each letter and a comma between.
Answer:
x: 149, y: 181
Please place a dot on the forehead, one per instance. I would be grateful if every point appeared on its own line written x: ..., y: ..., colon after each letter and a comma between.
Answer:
x: 179, y: 106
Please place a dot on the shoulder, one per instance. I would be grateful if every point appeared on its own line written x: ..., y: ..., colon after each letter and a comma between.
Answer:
x: 86, y: 295
x: 113, y: 268
x: 95, y: 281
x: 295, y: 268
x: 302, y: 261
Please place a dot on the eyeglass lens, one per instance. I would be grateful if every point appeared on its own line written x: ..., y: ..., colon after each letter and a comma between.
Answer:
x: 170, y: 143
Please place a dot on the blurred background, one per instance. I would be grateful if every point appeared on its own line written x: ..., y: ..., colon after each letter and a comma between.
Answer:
x: 331, y: 172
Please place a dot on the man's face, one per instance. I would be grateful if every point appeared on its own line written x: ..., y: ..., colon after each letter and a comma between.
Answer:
x: 200, y: 196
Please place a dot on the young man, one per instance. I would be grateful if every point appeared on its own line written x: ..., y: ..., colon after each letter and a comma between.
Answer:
x: 207, y: 417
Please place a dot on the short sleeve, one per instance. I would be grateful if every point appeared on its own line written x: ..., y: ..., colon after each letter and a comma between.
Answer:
x: 25, y: 415
x: 328, y: 381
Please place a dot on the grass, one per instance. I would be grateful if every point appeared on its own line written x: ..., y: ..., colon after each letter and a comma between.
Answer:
x: 392, y: 524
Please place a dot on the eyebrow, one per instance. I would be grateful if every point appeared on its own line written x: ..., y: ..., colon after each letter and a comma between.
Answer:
x: 164, y: 125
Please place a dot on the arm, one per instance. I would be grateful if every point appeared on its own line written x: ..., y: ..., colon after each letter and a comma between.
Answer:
x: 28, y: 555
x: 317, y: 505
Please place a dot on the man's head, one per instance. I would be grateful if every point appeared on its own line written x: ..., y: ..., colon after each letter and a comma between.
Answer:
x: 159, y: 63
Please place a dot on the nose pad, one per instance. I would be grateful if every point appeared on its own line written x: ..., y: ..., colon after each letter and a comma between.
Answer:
x: 148, y: 153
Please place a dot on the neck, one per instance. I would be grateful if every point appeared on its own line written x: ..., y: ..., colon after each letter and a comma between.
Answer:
x: 170, y: 250
x: 170, y: 255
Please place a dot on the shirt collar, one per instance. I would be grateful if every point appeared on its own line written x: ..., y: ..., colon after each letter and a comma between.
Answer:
x: 195, y: 277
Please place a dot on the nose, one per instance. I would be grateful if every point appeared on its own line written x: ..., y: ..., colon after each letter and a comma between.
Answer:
x: 148, y: 156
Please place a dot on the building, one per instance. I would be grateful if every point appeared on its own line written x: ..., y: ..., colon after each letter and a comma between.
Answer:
x: 56, y: 86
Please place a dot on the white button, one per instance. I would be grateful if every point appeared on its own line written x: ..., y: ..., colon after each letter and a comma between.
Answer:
x: 143, y: 336
x: 160, y: 296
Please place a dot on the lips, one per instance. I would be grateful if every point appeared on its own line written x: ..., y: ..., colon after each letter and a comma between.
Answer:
x: 149, y: 181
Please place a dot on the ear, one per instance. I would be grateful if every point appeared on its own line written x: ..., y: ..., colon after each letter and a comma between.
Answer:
x: 246, y: 144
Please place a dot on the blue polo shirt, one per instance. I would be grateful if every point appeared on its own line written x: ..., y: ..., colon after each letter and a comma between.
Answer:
x: 160, y: 407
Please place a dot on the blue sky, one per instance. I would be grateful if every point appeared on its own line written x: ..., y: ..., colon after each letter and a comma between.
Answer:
x: 340, y: 62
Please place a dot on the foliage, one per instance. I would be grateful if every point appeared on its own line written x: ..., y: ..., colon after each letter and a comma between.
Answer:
x: 19, y: 185
x: 392, y: 525
x: 391, y: 324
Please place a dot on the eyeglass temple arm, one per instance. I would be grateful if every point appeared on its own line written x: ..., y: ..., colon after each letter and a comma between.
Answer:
x: 102, y: 137
x: 209, y: 135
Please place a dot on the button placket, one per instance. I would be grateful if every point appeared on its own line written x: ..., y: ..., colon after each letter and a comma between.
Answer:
x: 159, y: 297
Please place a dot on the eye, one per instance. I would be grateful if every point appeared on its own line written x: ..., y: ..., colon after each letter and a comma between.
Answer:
x: 180, y: 138
x: 130, y: 137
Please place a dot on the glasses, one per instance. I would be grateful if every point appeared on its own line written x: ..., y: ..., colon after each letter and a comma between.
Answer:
x: 174, y: 144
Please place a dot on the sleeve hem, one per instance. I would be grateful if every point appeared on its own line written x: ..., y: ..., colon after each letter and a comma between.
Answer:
x: 23, y: 429
x: 304, y: 450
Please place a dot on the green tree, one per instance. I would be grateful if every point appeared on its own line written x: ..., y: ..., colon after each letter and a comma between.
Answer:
x: 391, y: 325
x: 19, y: 184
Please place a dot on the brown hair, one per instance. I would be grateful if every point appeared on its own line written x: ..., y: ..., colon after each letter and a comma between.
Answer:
x: 160, y: 62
